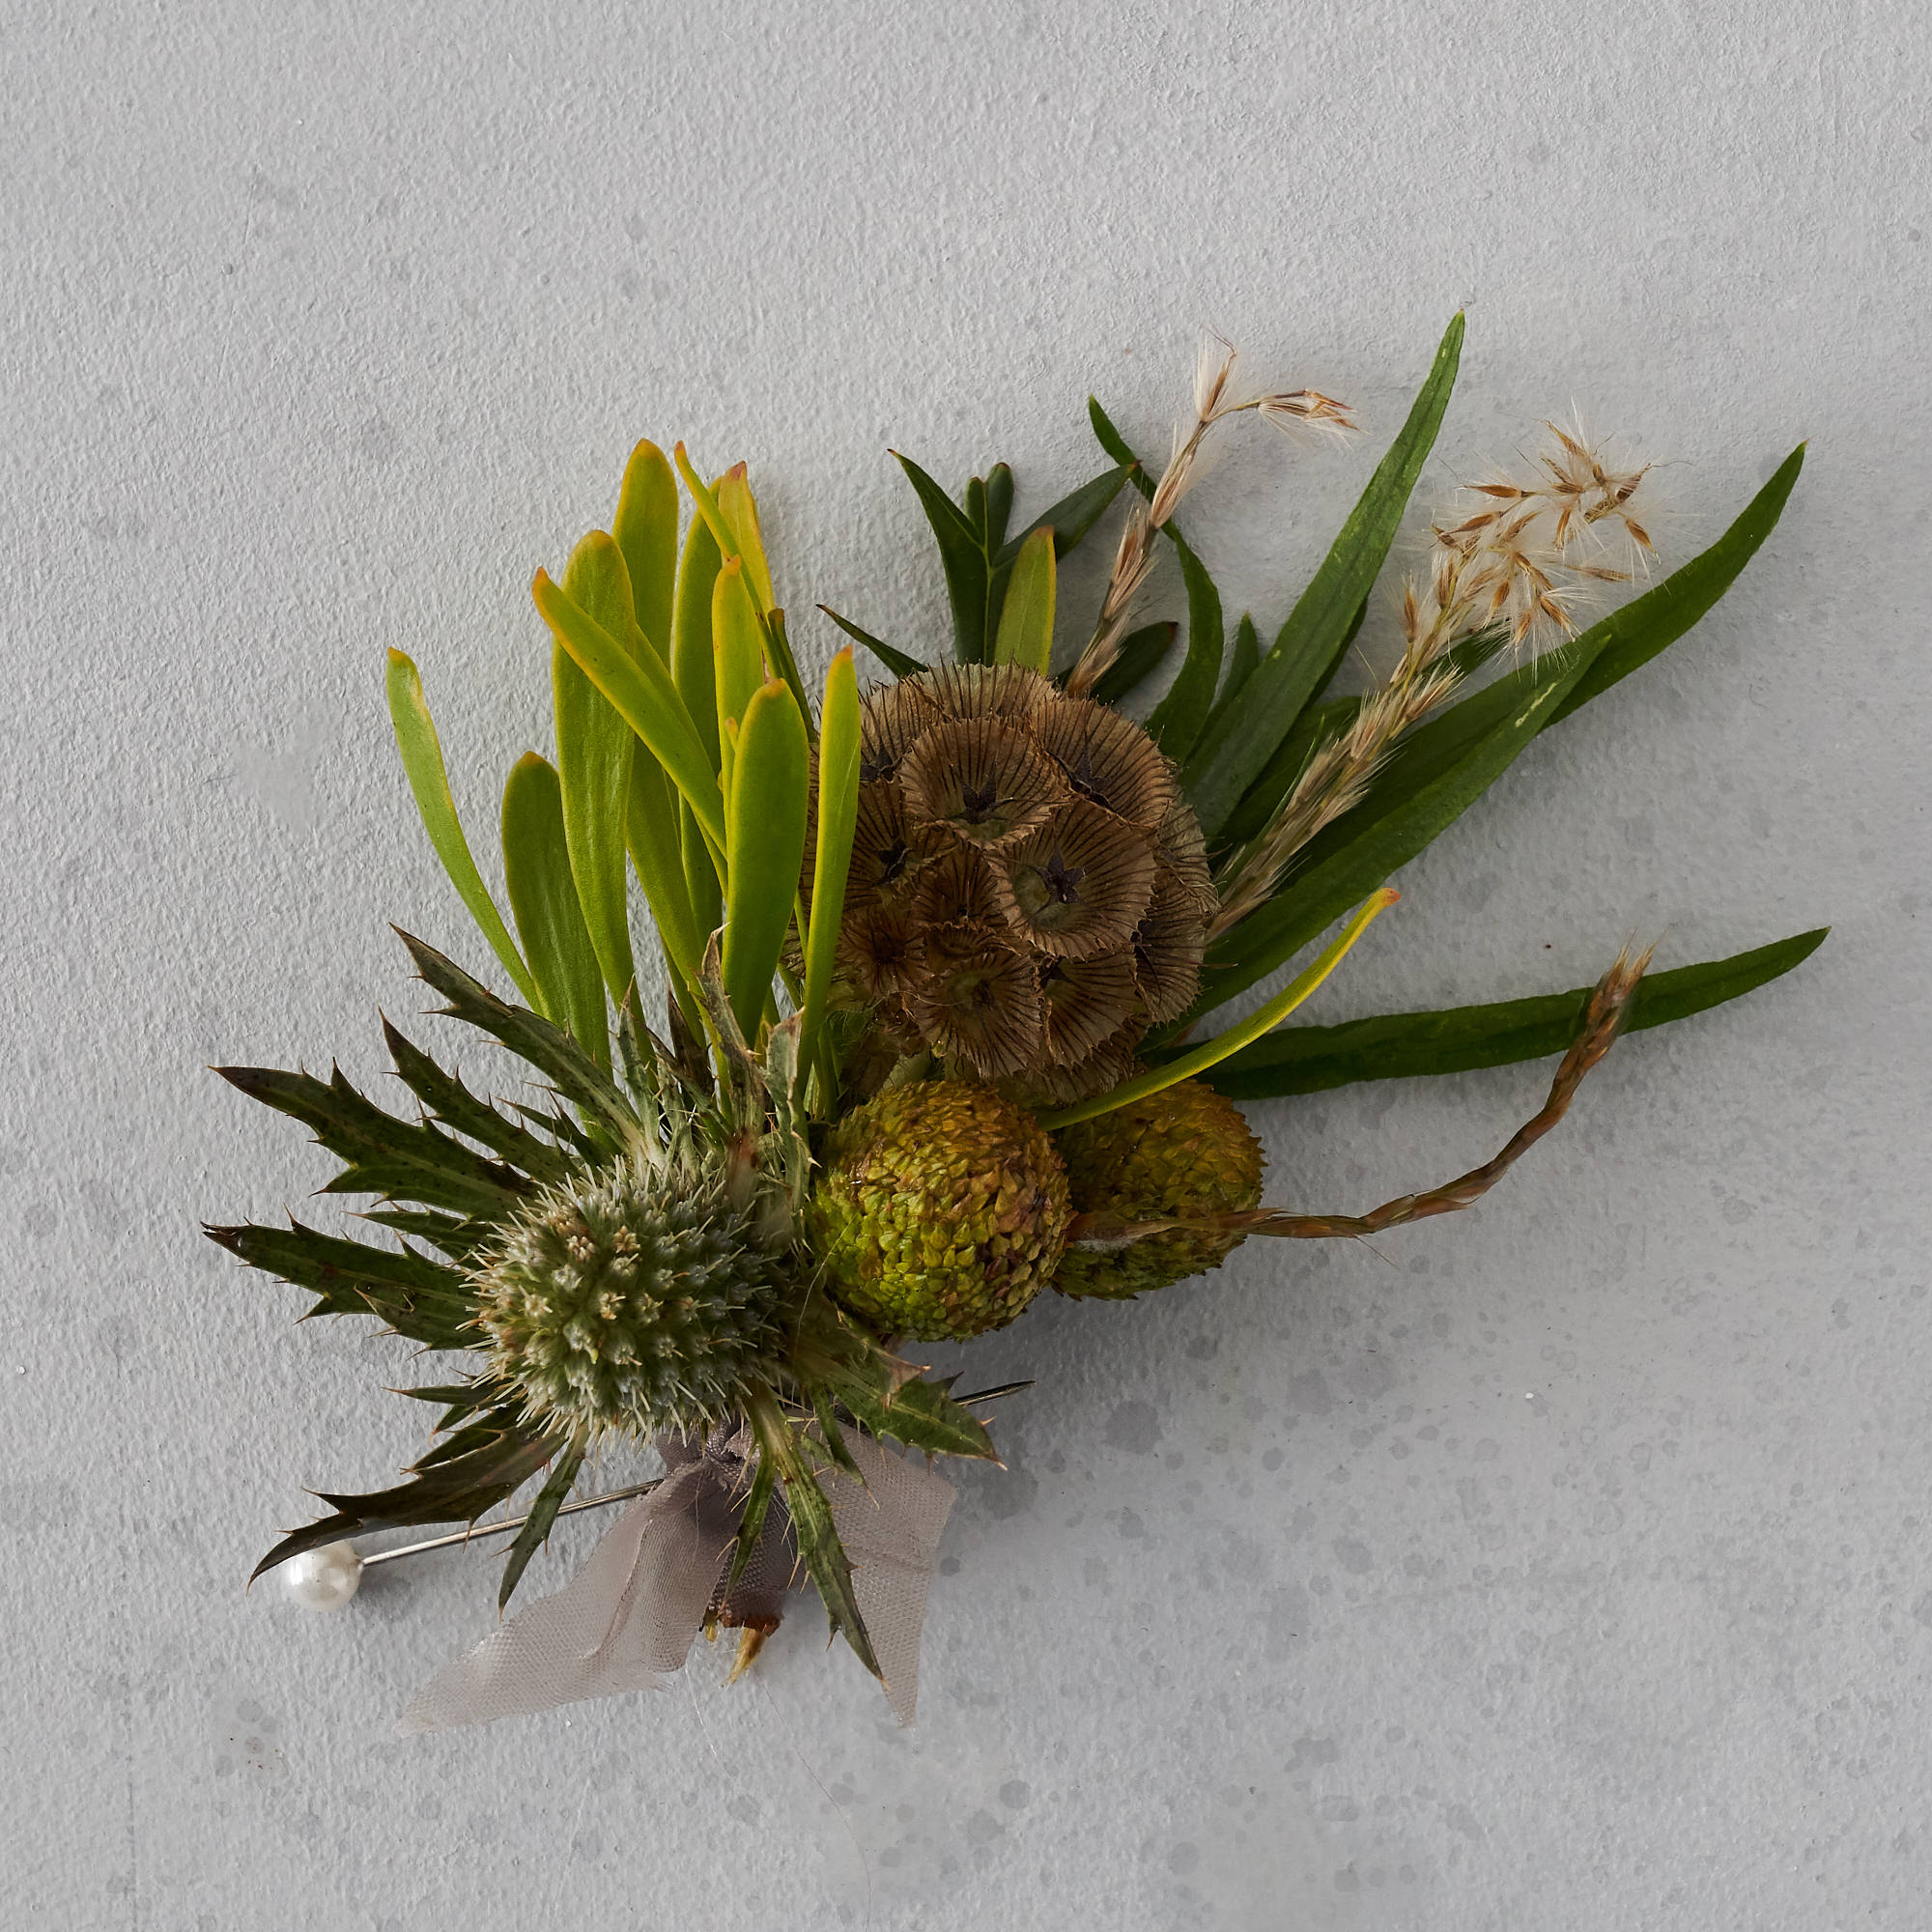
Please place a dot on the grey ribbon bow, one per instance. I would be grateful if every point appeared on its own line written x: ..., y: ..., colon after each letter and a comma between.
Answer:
x: 629, y: 1617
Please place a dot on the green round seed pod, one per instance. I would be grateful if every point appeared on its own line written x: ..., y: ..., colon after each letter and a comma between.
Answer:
x: 941, y: 1212
x: 1186, y: 1151
x: 634, y: 1299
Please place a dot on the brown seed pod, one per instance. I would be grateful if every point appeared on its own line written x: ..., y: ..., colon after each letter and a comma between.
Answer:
x: 979, y: 780
x: 884, y: 865
x: 875, y: 949
x: 1083, y: 1001
x: 1108, y: 759
x: 1078, y: 885
x: 1167, y: 949
x: 894, y: 717
x: 956, y: 886
x: 985, y: 691
x: 977, y: 1000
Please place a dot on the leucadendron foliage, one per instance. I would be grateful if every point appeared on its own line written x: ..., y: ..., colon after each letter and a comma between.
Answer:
x: 940, y: 958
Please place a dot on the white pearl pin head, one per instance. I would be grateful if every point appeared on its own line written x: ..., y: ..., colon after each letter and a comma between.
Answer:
x: 324, y: 1579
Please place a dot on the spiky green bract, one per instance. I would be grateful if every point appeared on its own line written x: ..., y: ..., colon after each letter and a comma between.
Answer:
x: 941, y: 1212
x: 1186, y: 1151
x: 637, y: 1297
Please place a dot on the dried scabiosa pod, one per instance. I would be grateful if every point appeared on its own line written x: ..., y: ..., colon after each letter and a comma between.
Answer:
x: 1029, y: 892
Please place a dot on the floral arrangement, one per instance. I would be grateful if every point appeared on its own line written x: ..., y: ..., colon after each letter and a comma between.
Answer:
x: 943, y: 957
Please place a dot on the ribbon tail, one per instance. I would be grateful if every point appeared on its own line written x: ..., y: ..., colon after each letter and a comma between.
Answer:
x: 889, y: 1525
x: 624, y: 1622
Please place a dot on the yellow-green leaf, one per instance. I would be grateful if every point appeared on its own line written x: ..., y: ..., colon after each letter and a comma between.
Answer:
x: 429, y: 779
x: 738, y: 656
x: 1277, y: 1010
x: 645, y: 527
x: 593, y: 761
x: 767, y: 847
x: 1026, y: 620
x: 543, y: 898
x: 740, y: 511
x: 837, y: 813
x: 641, y: 690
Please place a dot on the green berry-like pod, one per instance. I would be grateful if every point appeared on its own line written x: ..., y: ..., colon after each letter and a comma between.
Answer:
x: 1184, y: 1151
x: 634, y: 1299
x: 941, y: 1212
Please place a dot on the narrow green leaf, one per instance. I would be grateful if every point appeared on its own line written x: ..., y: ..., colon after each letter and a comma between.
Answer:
x: 1177, y: 720
x: 1317, y: 724
x: 640, y: 687
x: 740, y: 511
x: 645, y: 527
x: 1443, y: 768
x: 1693, y: 590
x: 838, y: 814
x: 1240, y: 667
x: 767, y: 848
x: 758, y: 1505
x: 1071, y: 517
x: 1025, y: 619
x: 1224, y: 765
x: 543, y: 896
x: 593, y: 763
x: 818, y: 1546
x: 962, y: 558
x: 738, y: 660
x: 653, y: 832
x: 417, y: 1298
x: 691, y: 652
x: 999, y: 504
x: 1191, y: 1066
x: 429, y: 779
x: 550, y: 1498
x: 457, y: 1237
x: 1140, y: 653
x: 1402, y: 1046
x: 897, y: 661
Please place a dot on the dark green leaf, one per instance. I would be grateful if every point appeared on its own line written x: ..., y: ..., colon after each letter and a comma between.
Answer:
x: 1442, y: 769
x: 454, y: 1491
x: 897, y: 661
x: 537, y: 1524
x: 1399, y: 1046
x: 832, y: 1436
x: 457, y: 1238
x: 416, y: 1296
x: 1177, y: 719
x: 1072, y: 516
x: 818, y: 1546
x: 405, y: 1160
x: 549, y: 1049
x: 1308, y: 648
x: 757, y: 1503
x: 1141, y: 652
x: 999, y: 504
x: 963, y: 558
x: 1240, y: 667
x: 1317, y: 724
x: 451, y: 1103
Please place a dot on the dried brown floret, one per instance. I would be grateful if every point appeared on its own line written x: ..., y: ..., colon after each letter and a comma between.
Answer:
x: 1079, y: 885
x: 1084, y: 1000
x: 979, y: 780
x: 884, y: 864
x: 977, y: 1000
x: 985, y: 691
x: 956, y: 886
x: 1108, y: 759
x: 1168, y: 948
x: 889, y: 726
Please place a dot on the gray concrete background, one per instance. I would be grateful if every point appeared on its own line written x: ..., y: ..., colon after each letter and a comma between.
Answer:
x: 1564, y: 1564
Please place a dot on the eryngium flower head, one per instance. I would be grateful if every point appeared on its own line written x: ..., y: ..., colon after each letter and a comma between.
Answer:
x: 1028, y: 892
x: 634, y: 1299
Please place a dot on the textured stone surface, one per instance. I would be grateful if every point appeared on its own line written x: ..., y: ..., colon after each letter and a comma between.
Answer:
x: 1565, y: 1564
